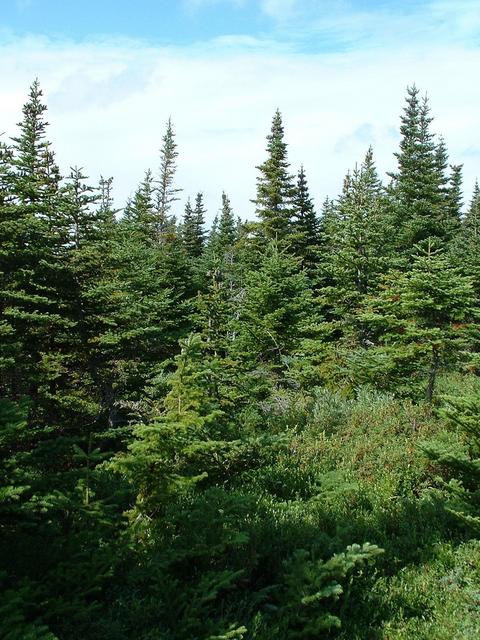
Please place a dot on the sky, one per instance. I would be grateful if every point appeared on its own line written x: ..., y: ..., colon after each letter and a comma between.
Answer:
x: 114, y: 71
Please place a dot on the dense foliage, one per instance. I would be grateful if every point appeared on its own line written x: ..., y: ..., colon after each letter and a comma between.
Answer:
x: 270, y: 429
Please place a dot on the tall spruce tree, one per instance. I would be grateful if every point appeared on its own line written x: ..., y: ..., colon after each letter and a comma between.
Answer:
x: 33, y: 275
x: 227, y: 229
x: 275, y: 189
x: 199, y: 218
x: 44, y: 434
x: 356, y: 255
x: 166, y: 192
x: 466, y: 249
x: 13, y: 232
x: 471, y: 222
x: 419, y: 185
x: 454, y: 201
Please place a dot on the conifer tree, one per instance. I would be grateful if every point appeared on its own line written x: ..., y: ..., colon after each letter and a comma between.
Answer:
x: 275, y: 189
x: 77, y: 200
x: 450, y: 187
x: 422, y: 320
x: 356, y: 254
x: 193, y: 229
x: 199, y: 217
x: 105, y: 187
x: 13, y: 230
x: 273, y: 310
x: 306, y: 226
x: 92, y: 230
x: 454, y: 201
x: 220, y: 268
x: 36, y: 175
x: 49, y: 398
x: 227, y: 232
x: 143, y: 317
x: 471, y: 221
x: 166, y: 192
x: 466, y: 249
x: 441, y: 162
x: 221, y: 239
x: 419, y: 186
x: 462, y: 463
x: 167, y: 458
x: 360, y: 209
x: 32, y: 305
x: 140, y: 212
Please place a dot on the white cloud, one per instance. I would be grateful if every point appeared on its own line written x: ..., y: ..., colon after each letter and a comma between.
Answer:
x: 109, y: 101
x: 352, y: 23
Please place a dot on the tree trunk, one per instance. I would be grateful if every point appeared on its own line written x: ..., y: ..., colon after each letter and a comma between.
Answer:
x: 432, y: 376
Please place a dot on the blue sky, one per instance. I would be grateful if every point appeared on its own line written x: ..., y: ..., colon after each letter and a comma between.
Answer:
x: 113, y: 71
x: 313, y: 25
x: 164, y: 21
x: 161, y: 21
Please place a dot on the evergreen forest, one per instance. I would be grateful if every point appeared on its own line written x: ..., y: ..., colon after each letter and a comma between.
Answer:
x: 265, y: 429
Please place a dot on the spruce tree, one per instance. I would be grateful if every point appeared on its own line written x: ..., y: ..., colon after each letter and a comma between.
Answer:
x: 12, y: 231
x: 227, y: 231
x: 275, y: 189
x: 221, y: 239
x: 92, y: 231
x: 36, y: 175
x: 193, y: 228
x: 471, y: 222
x: 77, y: 200
x: 199, y: 218
x: 454, y: 201
x: 33, y: 309
x: 105, y: 187
x: 355, y: 257
x: 167, y: 457
x: 466, y: 248
x: 140, y: 211
x: 45, y: 433
x: 142, y: 318
x: 461, y: 463
x: 305, y: 238
x: 273, y: 310
x: 421, y: 322
x: 419, y: 185
x: 166, y: 192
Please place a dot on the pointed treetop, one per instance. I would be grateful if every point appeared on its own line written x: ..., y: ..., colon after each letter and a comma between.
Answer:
x: 166, y: 192
x: 472, y: 217
x: 37, y: 175
x: 193, y: 231
x: 226, y: 227
x: 275, y: 188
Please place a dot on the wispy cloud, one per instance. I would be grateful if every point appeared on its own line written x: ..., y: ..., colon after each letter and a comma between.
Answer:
x: 350, y: 23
